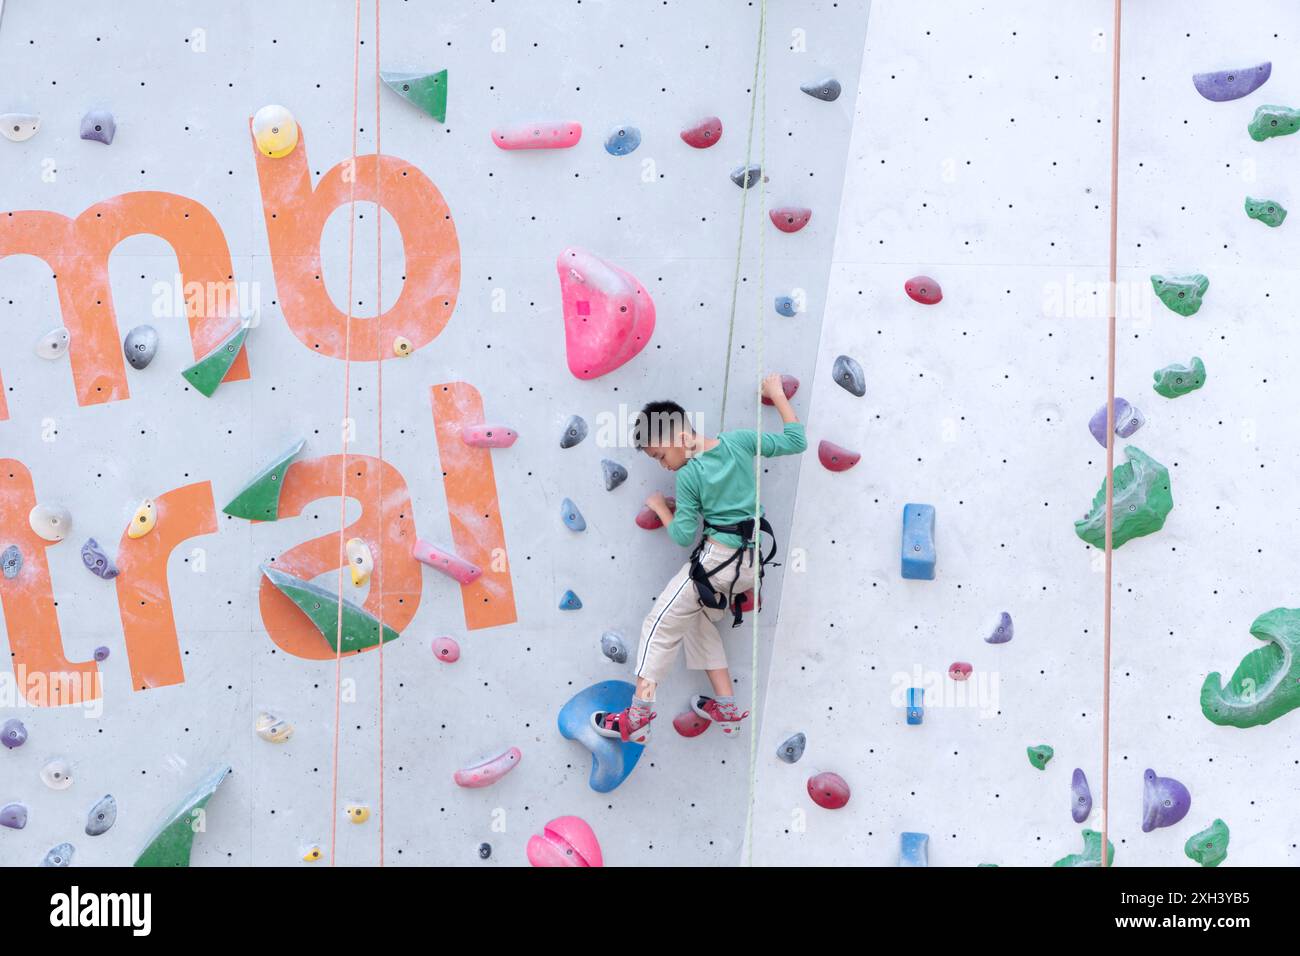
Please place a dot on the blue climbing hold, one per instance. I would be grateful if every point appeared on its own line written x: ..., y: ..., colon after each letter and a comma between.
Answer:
x: 612, y: 761
x: 622, y: 141
x: 575, y: 430
x: 571, y: 516
x: 918, y: 542
x: 60, y: 855
x: 11, y: 561
x: 570, y: 602
x: 913, y: 849
x: 785, y: 306
x: 915, y: 706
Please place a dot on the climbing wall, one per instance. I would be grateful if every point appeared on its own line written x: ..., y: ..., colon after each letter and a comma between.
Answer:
x: 181, y: 225
x: 980, y: 157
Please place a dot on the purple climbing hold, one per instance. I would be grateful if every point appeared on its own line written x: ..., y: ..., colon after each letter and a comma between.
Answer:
x: 1002, y: 631
x: 99, y: 125
x: 1128, y: 419
x: 1080, y: 796
x: 96, y: 561
x: 101, y: 653
x: 13, y: 816
x: 13, y: 733
x: 1223, y: 85
x: 1165, y: 801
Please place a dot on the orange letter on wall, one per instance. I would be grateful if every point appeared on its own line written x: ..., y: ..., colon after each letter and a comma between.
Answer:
x: 389, y: 532
x: 77, y: 250
x: 295, y: 218
x: 143, y: 596
x: 48, y: 679
x: 472, y: 506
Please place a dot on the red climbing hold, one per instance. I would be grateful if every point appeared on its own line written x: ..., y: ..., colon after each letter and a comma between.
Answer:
x: 959, y: 670
x: 538, y: 136
x: 690, y: 724
x: 836, y: 458
x: 828, y: 790
x: 645, y: 518
x: 704, y: 133
x: 790, y: 218
x: 923, y: 289
x: 747, y: 601
x: 789, y: 385
x: 608, y: 315
x: 449, y: 564
x: 446, y: 650
x: 488, y: 436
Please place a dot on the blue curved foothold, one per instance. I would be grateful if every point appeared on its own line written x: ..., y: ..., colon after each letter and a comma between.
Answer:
x: 571, y: 516
x: 612, y: 760
x: 1002, y: 631
x: 1080, y: 796
x: 11, y: 561
x: 1223, y: 85
x: 570, y: 602
x: 827, y: 89
x: 1165, y: 801
x: 615, y: 474
x: 746, y: 176
x: 622, y: 141
x: 785, y: 306
x: 915, y: 706
x: 60, y: 855
x: 792, y: 749
x: 575, y: 430
x: 99, y: 125
x: 96, y: 561
x: 913, y: 849
x: 918, y: 542
x: 614, y: 647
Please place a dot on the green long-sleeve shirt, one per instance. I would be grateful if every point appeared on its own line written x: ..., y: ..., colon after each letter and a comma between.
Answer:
x: 718, y: 485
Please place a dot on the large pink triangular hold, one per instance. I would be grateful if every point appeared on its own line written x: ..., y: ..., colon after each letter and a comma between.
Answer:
x: 608, y: 314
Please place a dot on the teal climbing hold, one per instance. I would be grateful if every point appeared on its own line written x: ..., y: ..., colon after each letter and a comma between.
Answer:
x: 611, y: 760
x: 1270, y: 121
x: 1268, y: 211
x: 260, y: 498
x: 1091, y: 855
x: 428, y: 91
x: 206, y: 374
x: 1142, y: 502
x: 570, y: 602
x: 918, y: 542
x: 1175, y: 380
x: 172, y: 842
x: 360, y: 628
x: 1209, y: 847
x: 1182, y: 294
x: 1266, y: 684
x: 1038, y: 756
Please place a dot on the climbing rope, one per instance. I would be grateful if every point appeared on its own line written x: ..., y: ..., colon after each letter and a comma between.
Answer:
x: 378, y: 575
x: 1110, y: 440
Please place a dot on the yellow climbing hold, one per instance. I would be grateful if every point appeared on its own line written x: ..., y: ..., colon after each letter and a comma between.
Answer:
x: 401, y: 347
x: 275, y: 131
x: 357, y: 812
x: 360, y: 561
x: 146, y: 516
x: 271, y: 728
x: 312, y: 853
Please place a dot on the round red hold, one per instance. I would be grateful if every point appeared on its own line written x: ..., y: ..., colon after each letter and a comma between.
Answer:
x: 704, y: 133
x: 923, y: 289
x: 828, y: 790
x: 645, y: 518
x: 789, y: 385
x: 790, y: 218
x: 690, y: 724
x: 446, y: 650
x: 959, y: 670
x: 836, y: 458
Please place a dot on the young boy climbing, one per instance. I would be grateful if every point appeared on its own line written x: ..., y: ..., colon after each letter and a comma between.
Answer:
x: 716, y: 484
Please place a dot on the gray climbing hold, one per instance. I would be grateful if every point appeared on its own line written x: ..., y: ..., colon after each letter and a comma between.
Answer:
x: 792, y: 749
x: 484, y: 851
x: 848, y: 375
x: 746, y: 176
x: 54, y: 344
x: 101, y: 653
x: 96, y: 561
x: 13, y: 733
x: 614, y: 647
x: 17, y: 127
x: 785, y: 306
x: 1001, y: 631
x: 622, y: 141
x: 615, y: 474
x: 13, y: 816
x: 141, y: 345
x: 11, y: 562
x: 571, y: 516
x: 575, y: 430
x: 102, y: 816
x: 99, y: 125
x: 827, y: 89
x: 1081, y: 796
x: 60, y: 855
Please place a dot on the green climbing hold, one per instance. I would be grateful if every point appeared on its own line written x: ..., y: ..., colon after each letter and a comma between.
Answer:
x: 1142, y: 502
x: 1266, y: 684
x: 1181, y: 293
x: 1267, y: 211
x: 360, y: 627
x: 260, y: 499
x: 1174, y: 380
x: 171, y: 844
x: 206, y: 374
x: 1210, y: 846
x: 1091, y: 855
x: 1038, y: 756
x: 1270, y: 121
x: 428, y: 91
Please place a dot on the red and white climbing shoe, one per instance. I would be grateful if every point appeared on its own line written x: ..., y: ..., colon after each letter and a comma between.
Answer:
x: 619, y: 726
x: 709, y: 709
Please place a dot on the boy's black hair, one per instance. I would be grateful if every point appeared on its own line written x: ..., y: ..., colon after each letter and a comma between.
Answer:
x: 659, y: 423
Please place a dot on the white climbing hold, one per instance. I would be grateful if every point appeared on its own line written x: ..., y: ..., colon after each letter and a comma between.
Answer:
x: 272, y: 728
x: 51, y: 522
x: 18, y: 127
x: 360, y: 561
x: 275, y: 131
x: 54, y: 344
x: 402, y: 347
x: 57, y: 774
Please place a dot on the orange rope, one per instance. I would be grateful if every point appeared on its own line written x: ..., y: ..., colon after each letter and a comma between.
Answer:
x: 379, y: 414
x: 1110, y: 440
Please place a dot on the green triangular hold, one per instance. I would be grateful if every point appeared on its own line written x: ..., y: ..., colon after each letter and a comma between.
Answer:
x: 206, y: 374
x: 1091, y: 855
x: 172, y: 843
x: 260, y: 499
x: 428, y: 91
x: 360, y: 627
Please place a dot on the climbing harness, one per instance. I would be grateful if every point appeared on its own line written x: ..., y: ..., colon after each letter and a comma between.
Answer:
x: 718, y: 600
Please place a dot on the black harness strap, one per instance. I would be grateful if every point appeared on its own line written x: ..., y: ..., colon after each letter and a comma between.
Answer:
x: 711, y: 597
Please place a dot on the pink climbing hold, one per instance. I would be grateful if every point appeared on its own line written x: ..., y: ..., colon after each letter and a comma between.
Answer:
x: 704, y: 133
x: 446, y: 649
x: 488, y: 436
x: 828, y: 790
x: 690, y: 724
x: 645, y: 518
x: 836, y: 458
x: 538, y: 136
x: 959, y: 670
x: 446, y: 562
x: 608, y: 315
x: 487, y: 772
x: 789, y: 385
x: 923, y: 289
x: 565, y: 841
x: 790, y: 218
